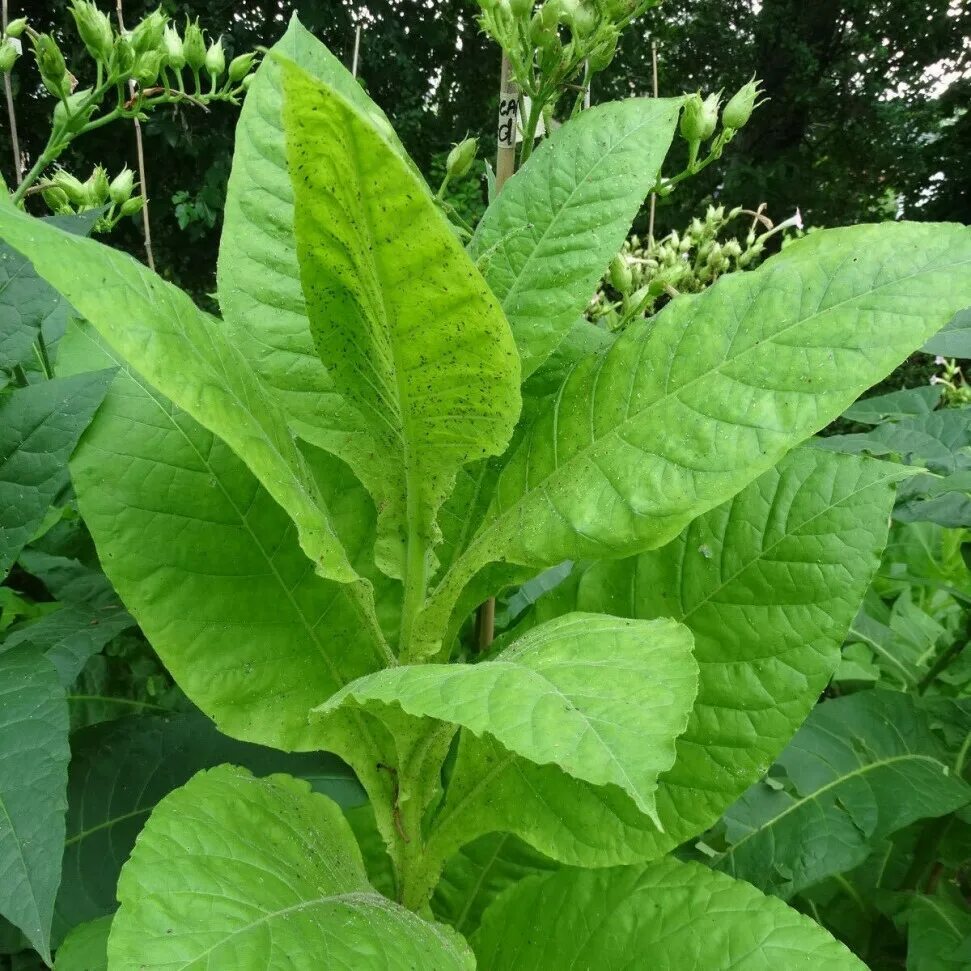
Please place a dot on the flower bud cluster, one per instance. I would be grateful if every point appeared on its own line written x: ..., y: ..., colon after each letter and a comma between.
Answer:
x: 646, y: 271
x: 66, y: 194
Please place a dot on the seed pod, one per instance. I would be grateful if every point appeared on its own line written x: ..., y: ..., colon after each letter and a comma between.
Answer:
x: 98, y: 186
x: 741, y: 105
x: 94, y: 29
x: 194, y: 45
x: 16, y: 27
x: 50, y: 62
x: 147, y: 35
x: 122, y: 59
x: 56, y: 199
x: 461, y: 157
x: 122, y: 186
x: 621, y: 277
x: 132, y: 206
x: 72, y: 187
x: 215, y: 59
x: 147, y: 67
x: 8, y: 56
x: 172, y: 48
x: 601, y: 56
x: 240, y: 66
x: 247, y: 81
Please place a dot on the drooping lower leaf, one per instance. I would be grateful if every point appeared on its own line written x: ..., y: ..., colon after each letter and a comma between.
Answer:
x: 861, y: 768
x: 121, y: 770
x: 39, y: 428
x: 190, y: 357
x: 33, y: 777
x: 233, y: 872
x: 400, y: 317
x: 685, y: 409
x: 668, y: 916
x: 768, y: 584
x: 210, y: 565
x: 601, y: 698
x: 547, y: 238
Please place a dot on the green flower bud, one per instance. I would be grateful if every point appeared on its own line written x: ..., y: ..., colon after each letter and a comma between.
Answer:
x: 56, y: 199
x: 132, y: 206
x: 601, y: 56
x: 8, y: 56
x: 521, y: 9
x: 692, y: 123
x: 621, y: 277
x: 50, y: 62
x: 741, y: 105
x: 94, y: 29
x: 710, y: 115
x: 122, y: 60
x: 579, y: 17
x: 172, y: 48
x: 122, y: 186
x: 147, y: 36
x: 550, y: 51
x: 247, y: 81
x: 461, y: 157
x: 98, y: 186
x: 67, y: 113
x: 549, y: 13
x: 240, y: 66
x: 16, y: 27
x: 215, y: 59
x: 147, y: 67
x: 72, y: 187
x: 486, y: 5
x: 194, y: 46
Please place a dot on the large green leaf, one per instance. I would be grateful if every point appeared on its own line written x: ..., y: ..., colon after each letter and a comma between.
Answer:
x: 258, y: 272
x: 39, y: 428
x: 861, y: 768
x: 668, y: 916
x: 685, y: 409
x: 233, y: 872
x: 938, y: 933
x: 768, y: 584
x: 210, y: 565
x: 954, y: 340
x: 547, y: 239
x: 33, y: 777
x: 121, y: 770
x: 190, y: 357
x: 602, y: 698
x: 406, y: 326
x: 85, y: 948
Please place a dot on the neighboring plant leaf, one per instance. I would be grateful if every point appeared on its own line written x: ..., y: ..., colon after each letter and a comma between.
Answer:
x: 768, y: 584
x: 861, y: 768
x: 399, y: 315
x: 72, y: 635
x: 188, y: 356
x: 33, y: 777
x: 85, y: 948
x: 121, y: 770
x: 233, y: 872
x: 210, y: 565
x: 896, y: 405
x: 258, y: 272
x: 478, y: 873
x: 938, y: 933
x: 546, y: 240
x: 954, y: 340
x: 669, y: 915
x: 600, y: 697
x: 39, y: 428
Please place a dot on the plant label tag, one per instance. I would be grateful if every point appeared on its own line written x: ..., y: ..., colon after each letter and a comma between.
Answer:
x: 508, y: 131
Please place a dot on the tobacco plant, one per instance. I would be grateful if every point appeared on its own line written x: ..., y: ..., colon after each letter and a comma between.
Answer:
x: 302, y: 501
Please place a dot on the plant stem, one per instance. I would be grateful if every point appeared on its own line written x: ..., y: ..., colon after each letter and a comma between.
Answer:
x: 11, y: 113
x: 947, y: 658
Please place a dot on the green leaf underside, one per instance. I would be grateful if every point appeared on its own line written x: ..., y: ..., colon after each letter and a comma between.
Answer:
x: 600, y: 697
x: 404, y: 323
x: 210, y: 565
x: 896, y: 405
x: 85, y: 948
x: 954, y: 340
x: 33, y: 777
x: 685, y: 409
x: 258, y: 272
x: 668, y: 916
x: 121, y: 770
x: 39, y: 428
x: 861, y: 768
x: 191, y: 358
x: 768, y: 584
x: 233, y: 872
x: 547, y: 239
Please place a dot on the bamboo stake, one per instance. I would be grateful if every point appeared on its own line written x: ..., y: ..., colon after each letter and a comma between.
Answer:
x: 650, y: 224
x: 357, y: 50
x: 140, y: 148
x: 18, y: 163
